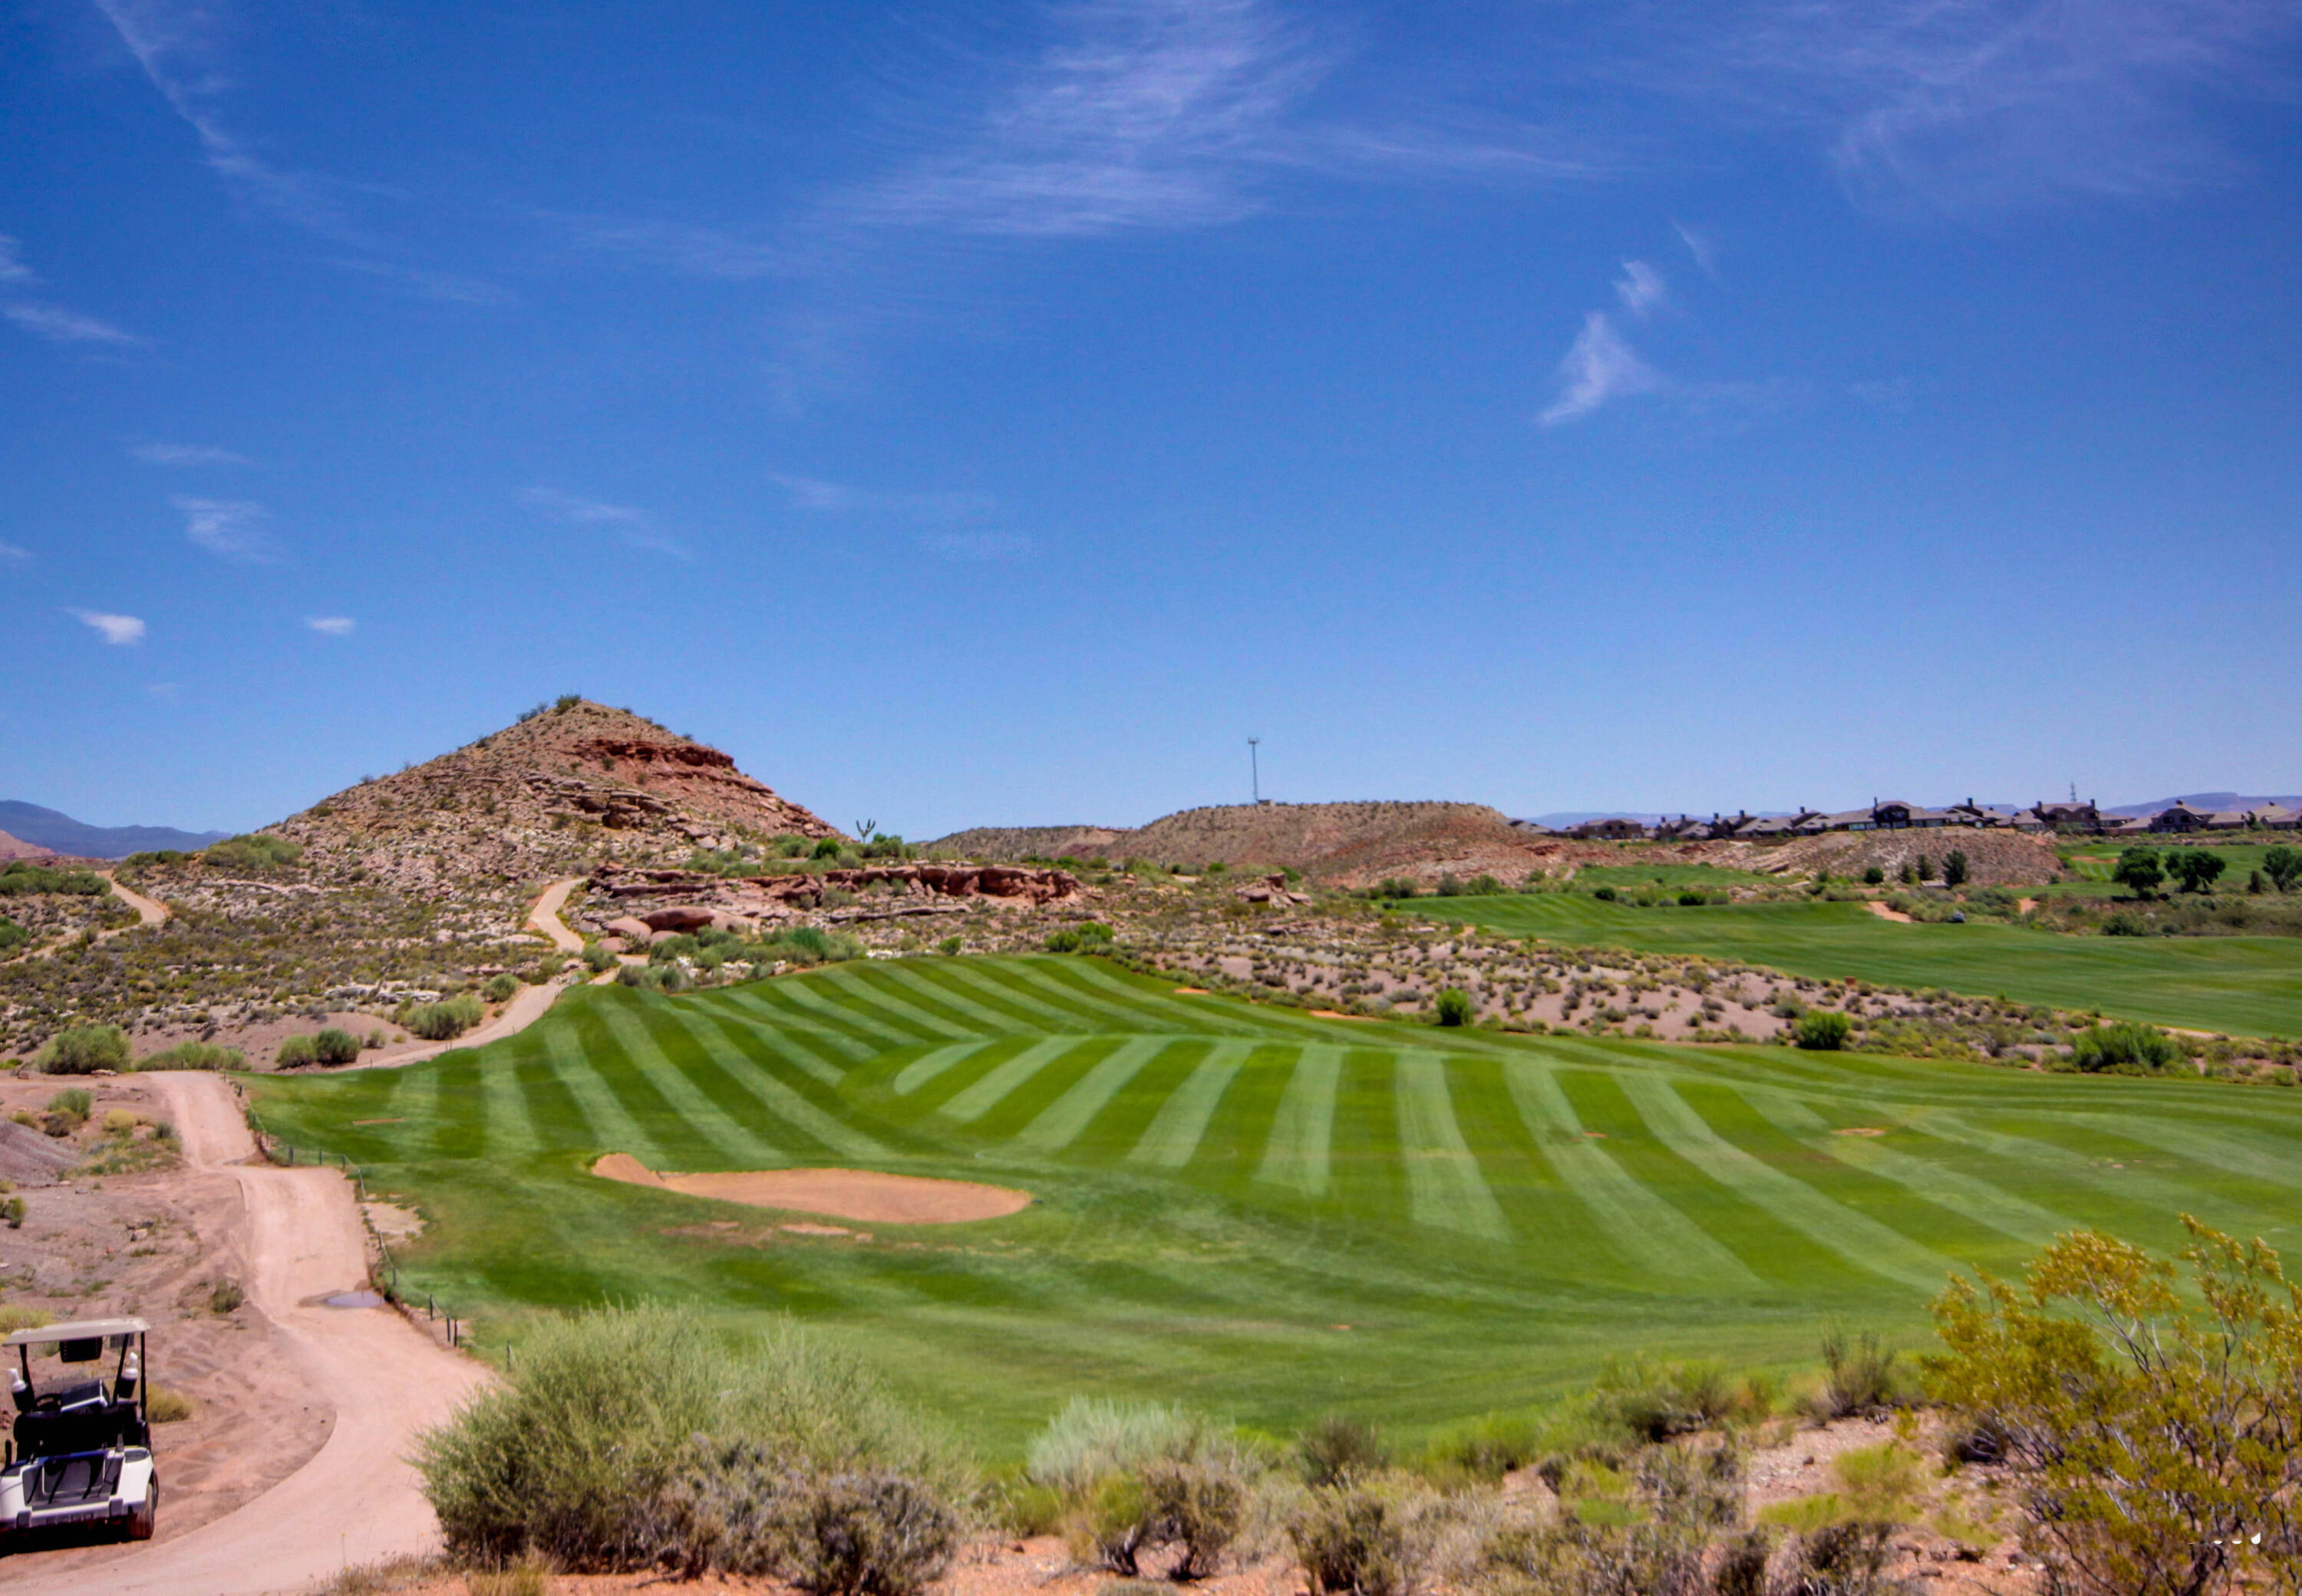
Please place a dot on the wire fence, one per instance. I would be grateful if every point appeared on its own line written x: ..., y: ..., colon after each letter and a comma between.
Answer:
x: 383, y: 1273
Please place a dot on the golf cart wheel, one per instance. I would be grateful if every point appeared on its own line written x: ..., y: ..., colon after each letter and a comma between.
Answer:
x: 145, y: 1517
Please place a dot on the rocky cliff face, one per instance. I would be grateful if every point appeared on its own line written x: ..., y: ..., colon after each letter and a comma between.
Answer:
x: 557, y: 792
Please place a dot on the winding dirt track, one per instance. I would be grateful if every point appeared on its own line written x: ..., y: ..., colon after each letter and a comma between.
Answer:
x: 356, y: 1499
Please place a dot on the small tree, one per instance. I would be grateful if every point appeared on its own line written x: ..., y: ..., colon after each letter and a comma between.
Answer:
x: 1955, y: 868
x: 1452, y: 1007
x: 2138, y: 870
x: 1874, y: 877
x: 2284, y: 866
x: 2199, y: 868
x: 1823, y: 1030
x: 83, y: 1050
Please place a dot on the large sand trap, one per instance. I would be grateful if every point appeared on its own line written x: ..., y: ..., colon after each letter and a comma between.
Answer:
x: 841, y: 1193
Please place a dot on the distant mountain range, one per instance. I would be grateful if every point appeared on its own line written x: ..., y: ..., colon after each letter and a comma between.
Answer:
x: 61, y: 834
x: 2208, y: 800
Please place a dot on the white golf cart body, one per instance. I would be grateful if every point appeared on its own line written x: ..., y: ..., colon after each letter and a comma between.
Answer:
x: 80, y: 1451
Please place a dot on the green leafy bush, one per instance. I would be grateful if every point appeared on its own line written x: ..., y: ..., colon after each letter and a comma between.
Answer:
x: 598, y: 959
x: 1452, y: 1007
x: 2283, y: 865
x: 82, y: 1050
x: 10, y: 934
x: 1655, y: 1401
x: 588, y: 1452
x: 1822, y: 1030
x: 22, y: 879
x: 254, y: 852
x: 335, y: 1047
x: 1859, y: 1377
x: 740, y: 1508
x: 446, y: 1020
x: 1136, y: 1477
x: 74, y: 1104
x: 2126, y: 1048
x: 499, y: 988
x: 298, y: 1051
x: 1874, y: 877
x: 195, y: 1055
x: 2138, y: 870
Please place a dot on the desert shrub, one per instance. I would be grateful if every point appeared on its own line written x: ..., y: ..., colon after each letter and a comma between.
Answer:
x: 1487, y: 1448
x: 1822, y: 1030
x: 2283, y: 865
x: 1065, y: 941
x: 119, y: 1122
x: 299, y: 1050
x: 74, y: 1104
x: 1874, y: 875
x: 644, y: 976
x: 1649, y: 1535
x: 829, y: 848
x: 10, y: 934
x: 743, y: 1507
x: 598, y: 959
x: 15, y: 1316
x: 2126, y: 1048
x: 949, y: 945
x: 1655, y: 1401
x: 1365, y: 1536
x: 256, y: 852
x: 83, y: 1050
x: 11, y: 1213
x: 1859, y: 1376
x: 1337, y: 1447
x: 1137, y: 1477
x: 22, y: 879
x: 1605, y: 894
x: 336, y: 1046
x: 445, y: 1021
x: 167, y: 1404
x: 2148, y: 1423
x: 1452, y: 1007
x: 1396, y: 886
x: 1955, y: 868
x: 194, y: 1055
x: 225, y: 1295
x: 499, y: 988
x: 588, y: 1453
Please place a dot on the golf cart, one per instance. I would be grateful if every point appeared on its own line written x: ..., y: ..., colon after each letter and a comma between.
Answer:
x: 81, y: 1451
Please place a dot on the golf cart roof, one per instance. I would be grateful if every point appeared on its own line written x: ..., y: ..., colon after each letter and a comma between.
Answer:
x: 87, y: 1330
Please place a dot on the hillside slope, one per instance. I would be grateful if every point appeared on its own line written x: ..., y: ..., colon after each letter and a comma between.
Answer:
x: 557, y: 791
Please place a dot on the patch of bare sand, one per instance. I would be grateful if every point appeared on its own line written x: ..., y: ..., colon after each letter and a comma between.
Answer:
x: 1337, y: 1014
x: 1883, y: 912
x: 841, y: 1193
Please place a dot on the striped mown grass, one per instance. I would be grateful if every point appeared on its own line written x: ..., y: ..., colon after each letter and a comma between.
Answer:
x: 1250, y: 1209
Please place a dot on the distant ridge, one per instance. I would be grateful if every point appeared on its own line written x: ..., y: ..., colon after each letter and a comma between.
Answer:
x: 2208, y: 800
x: 61, y: 834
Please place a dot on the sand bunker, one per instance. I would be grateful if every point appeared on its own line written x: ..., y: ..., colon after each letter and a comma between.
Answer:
x: 841, y: 1193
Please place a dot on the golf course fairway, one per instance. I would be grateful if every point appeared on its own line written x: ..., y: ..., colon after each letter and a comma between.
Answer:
x: 1262, y: 1214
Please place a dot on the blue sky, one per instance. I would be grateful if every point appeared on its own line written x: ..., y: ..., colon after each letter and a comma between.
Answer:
x: 995, y: 414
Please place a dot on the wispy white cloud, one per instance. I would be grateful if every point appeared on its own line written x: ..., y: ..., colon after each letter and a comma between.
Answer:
x: 1699, y: 245
x: 332, y: 626
x: 1641, y: 289
x: 178, y: 44
x: 1978, y: 102
x: 812, y: 493
x: 227, y: 528
x: 59, y: 325
x: 10, y: 551
x: 978, y: 545
x: 119, y: 630
x: 1599, y: 368
x: 167, y: 692
x: 452, y: 288
x: 637, y: 527
x: 12, y: 268
x: 185, y: 454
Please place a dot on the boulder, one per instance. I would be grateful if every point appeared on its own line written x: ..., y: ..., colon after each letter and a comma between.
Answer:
x: 682, y: 917
x: 636, y: 933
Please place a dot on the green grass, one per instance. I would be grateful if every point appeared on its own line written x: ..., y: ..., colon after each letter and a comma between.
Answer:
x: 1672, y: 875
x: 2245, y: 985
x: 1247, y: 1209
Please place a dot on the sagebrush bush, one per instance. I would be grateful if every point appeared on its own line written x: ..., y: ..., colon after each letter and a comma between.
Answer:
x: 1365, y: 1536
x: 82, y: 1050
x: 296, y: 1051
x: 446, y: 1020
x: 1859, y: 1376
x: 252, y: 853
x: 598, y: 959
x: 1656, y: 1401
x: 74, y: 1103
x: 1139, y: 1477
x: 336, y: 1046
x: 1338, y: 1448
x: 1452, y: 1007
x: 580, y: 1455
x: 499, y: 988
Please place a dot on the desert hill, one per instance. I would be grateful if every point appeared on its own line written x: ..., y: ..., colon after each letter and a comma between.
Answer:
x: 1346, y: 843
x: 565, y: 787
x: 16, y: 848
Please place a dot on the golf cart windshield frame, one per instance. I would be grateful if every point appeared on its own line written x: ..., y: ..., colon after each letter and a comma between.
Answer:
x: 50, y: 1439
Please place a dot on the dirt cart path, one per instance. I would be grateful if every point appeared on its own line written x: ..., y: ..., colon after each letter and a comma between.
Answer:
x: 150, y: 911
x: 356, y: 1499
x: 545, y: 916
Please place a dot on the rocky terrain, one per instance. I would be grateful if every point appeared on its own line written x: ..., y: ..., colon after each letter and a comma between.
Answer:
x: 16, y: 848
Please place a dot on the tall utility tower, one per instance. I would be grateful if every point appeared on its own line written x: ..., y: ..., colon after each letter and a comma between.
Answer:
x: 1255, y: 767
